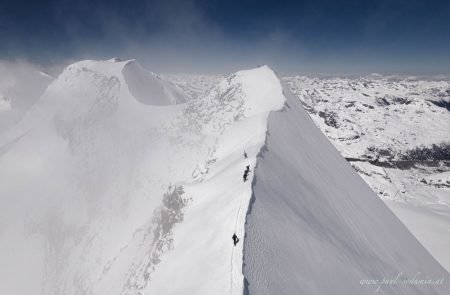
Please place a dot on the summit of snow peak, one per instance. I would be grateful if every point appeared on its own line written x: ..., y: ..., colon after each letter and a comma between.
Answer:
x: 142, y: 85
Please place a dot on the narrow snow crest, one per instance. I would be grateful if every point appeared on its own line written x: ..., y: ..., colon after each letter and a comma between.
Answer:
x: 229, y: 121
x: 262, y: 90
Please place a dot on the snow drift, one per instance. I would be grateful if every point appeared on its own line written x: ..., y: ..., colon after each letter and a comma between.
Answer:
x: 315, y: 227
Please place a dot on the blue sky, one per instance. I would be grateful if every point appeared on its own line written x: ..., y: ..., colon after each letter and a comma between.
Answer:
x: 348, y: 36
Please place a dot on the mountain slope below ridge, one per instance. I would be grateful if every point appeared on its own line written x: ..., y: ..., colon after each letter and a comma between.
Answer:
x: 101, y: 187
x: 394, y: 132
x: 315, y: 227
x: 385, y: 118
x: 237, y: 110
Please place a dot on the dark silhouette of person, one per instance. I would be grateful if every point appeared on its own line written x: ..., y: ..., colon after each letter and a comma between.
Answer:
x: 245, y: 155
x: 246, y: 172
x: 235, y: 239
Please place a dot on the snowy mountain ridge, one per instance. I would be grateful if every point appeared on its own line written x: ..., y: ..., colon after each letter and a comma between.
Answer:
x: 108, y: 176
x: 394, y: 132
x: 118, y: 183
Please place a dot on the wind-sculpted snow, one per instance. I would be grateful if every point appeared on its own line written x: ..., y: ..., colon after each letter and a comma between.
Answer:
x: 150, y: 89
x: 315, y: 227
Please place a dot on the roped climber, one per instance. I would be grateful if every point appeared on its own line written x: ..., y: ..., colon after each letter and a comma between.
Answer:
x: 235, y: 239
x: 246, y: 172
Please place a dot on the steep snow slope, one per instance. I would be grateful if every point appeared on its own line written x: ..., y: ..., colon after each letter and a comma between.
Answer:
x: 395, y: 133
x: 206, y: 262
x: 315, y: 227
x: 401, y: 121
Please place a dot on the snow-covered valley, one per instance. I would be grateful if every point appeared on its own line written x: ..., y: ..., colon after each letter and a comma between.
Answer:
x: 121, y: 181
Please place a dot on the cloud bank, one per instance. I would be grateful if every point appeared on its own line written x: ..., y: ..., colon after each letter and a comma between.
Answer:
x: 219, y: 36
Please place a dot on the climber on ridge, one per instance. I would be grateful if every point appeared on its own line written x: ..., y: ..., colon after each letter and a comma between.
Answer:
x: 235, y: 239
x: 246, y: 172
x: 245, y: 154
